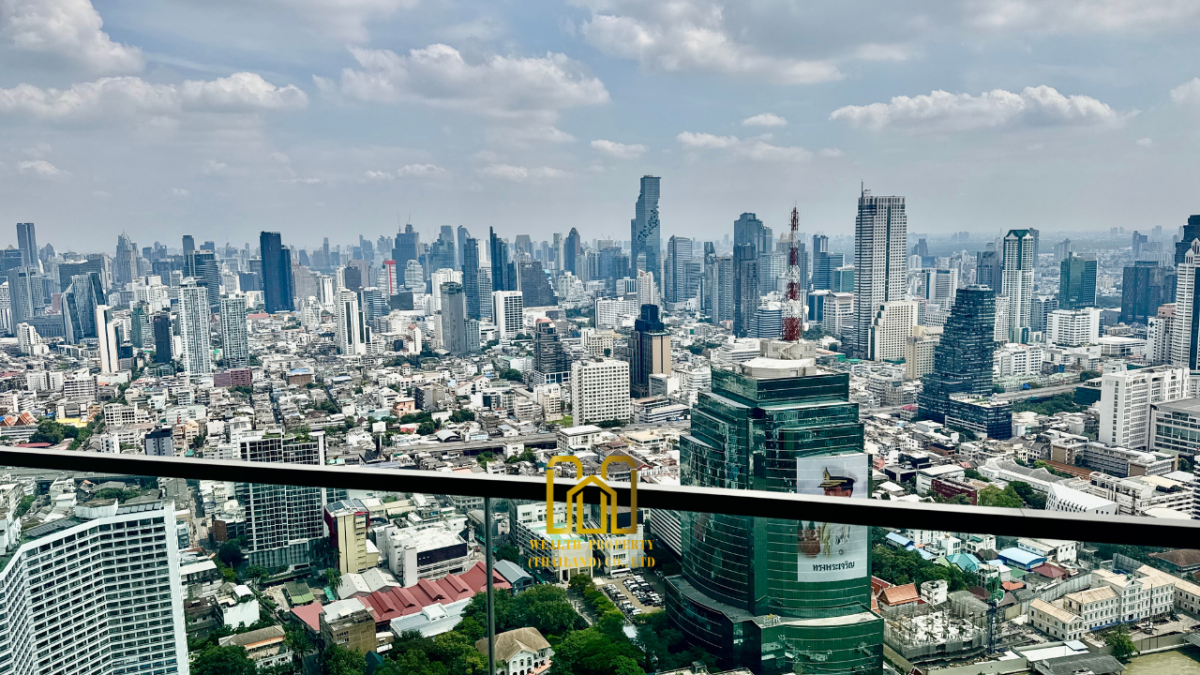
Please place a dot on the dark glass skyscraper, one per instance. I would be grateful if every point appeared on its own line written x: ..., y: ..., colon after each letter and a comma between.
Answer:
x: 745, y: 287
x: 989, y: 269
x: 27, y: 243
x: 649, y: 351
x: 962, y: 361
x: 277, y: 273
x: 535, y: 285
x: 1077, y: 283
x: 571, y: 252
x: 501, y: 280
x: 1191, y: 232
x: 162, y: 337
x: 549, y: 357
x: 454, y: 319
x: 408, y: 243
x: 644, y: 237
x: 470, y: 270
x: 765, y: 593
x: 1145, y: 286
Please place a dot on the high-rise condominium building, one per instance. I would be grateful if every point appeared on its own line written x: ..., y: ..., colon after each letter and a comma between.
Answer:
x: 1191, y: 232
x: 778, y: 596
x: 283, y: 522
x: 891, y: 328
x: 1019, y: 262
x: 880, y: 240
x: 650, y: 351
x: 962, y: 359
x: 745, y: 288
x: 550, y: 360
x: 454, y: 319
x: 277, y: 285
x: 1076, y: 282
x: 1126, y: 398
x: 989, y: 269
x: 193, y: 329
x: 600, y: 391
x: 95, y: 593
x: 463, y: 236
x: 675, y: 280
x: 1187, y: 310
x: 508, y: 311
x: 106, y: 340
x: 644, y: 238
x: 535, y: 284
x: 498, y: 249
x: 353, y: 334
x: 162, y: 337
x: 572, y: 252
x: 235, y: 343
x: 1073, y: 327
x: 27, y: 244
x: 125, y: 268
x: 748, y: 229
x: 470, y: 277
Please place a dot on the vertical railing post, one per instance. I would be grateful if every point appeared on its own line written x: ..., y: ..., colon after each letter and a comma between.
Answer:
x: 491, y: 607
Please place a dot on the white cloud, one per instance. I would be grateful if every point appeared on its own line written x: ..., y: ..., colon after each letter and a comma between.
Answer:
x: 114, y: 99
x: 619, y: 150
x: 40, y: 168
x: 765, y: 120
x: 407, y: 171
x: 830, y: 152
x: 945, y: 112
x: 1082, y: 16
x: 512, y: 88
x: 179, y: 192
x: 66, y: 29
x: 687, y: 36
x: 345, y: 20
x: 519, y: 174
x: 756, y: 149
x: 1187, y: 94
x: 1145, y: 142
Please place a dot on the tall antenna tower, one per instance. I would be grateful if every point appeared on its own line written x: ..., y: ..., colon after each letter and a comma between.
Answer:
x: 793, y: 312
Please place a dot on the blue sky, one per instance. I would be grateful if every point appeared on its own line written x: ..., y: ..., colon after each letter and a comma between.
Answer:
x: 339, y: 117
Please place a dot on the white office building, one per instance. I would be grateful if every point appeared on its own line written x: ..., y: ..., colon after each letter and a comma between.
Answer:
x: 106, y: 344
x: 353, y: 334
x: 600, y: 391
x: 1183, y: 337
x: 1125, y: 400
x: 235, y: 344
x: 880, y: 267
x: 508, y: 309
x: 1073, y: 327
x: 422, y: 552
x: 440, y: 277
x: 1014, y: 360
x: 194, y: 334
x: 95, y: 594
x: 608, y: 311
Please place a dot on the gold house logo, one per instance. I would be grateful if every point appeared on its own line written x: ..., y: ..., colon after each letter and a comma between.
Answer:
x: 608, y: 499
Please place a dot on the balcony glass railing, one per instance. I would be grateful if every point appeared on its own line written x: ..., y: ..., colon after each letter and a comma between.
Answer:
x: 129, y: 564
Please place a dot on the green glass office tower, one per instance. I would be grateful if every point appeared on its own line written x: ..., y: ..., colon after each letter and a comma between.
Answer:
x: 1077, y: 283
x: 747, y: 593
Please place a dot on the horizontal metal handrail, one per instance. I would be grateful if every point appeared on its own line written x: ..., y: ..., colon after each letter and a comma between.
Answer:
x: 942, y: 517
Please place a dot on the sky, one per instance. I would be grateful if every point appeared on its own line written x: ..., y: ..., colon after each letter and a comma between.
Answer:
x: 316, y: 118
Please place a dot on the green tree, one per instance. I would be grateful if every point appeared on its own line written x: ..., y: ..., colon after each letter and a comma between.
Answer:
x: 230, y: 553
x: 298, y: 641
x: 508, y: 552
x: 1028, y: 495
x: 231, y: 660
x: 1006, y: 498
x: 592, y: 652
x: 333, y: 577
x: 1122, y: 644
x: 546, y: 608
x: 25, y: 504
x: 511, y: 374
x: 338, y: 660
x: 426, y: 428
x: 485, y: 458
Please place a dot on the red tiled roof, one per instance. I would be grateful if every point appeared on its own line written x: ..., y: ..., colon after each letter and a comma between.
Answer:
x: 1012, y: 585
x: 310, y: 614
x: 900, y: 595
x: 397, y: 602
x: 1050, y: 571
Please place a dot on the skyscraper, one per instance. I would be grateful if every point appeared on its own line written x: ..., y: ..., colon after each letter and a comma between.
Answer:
x: 352, y: 331
x: 550, y: 360
x: 645, y: 241
x: 989, y: 269
x: 470, y: 275
x: 20, y: 294
x: 125, y: 268
x: 717, y: 291
x: 27, y: 243
x: 649, y: 351
x: 235, y: 344
x: 962, y: 361
x: 454, y: 319
x: 193, y: 328
x: 442, y: 252
x: 535, y: 285
x: 106, y: 341
x: 745, y: 287
x: 1145, y: 286
x: 1019, y: 262
x: 408, y: 242
x: 572, y: 250
x: 189, y: 244
x: 765, y: 593
x: 463, y: 236
x: 162, y: 337
x: 825, y: 264
x: 203, y: 268
x: 675, y: 282
x: 1184, y: 350
x: 277, y: 281
x: 748, y: 229
x: 1077, y: 283
x: 507, y: 313
x: 880, y: 241
x: 499, y: 253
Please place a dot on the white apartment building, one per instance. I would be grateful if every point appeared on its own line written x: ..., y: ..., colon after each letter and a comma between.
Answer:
x: 891, y: 328
x: 1183, y: 338
x: 96, y: 594
x: 1073, y: 327
x: 1017, y: 283
x: 193, y: 329
x: 235, y: 344
x: 608, y: 311
x: 1016, y: 360
x: 600, y: 391
x: 508, y: 308
x: 1159, y: 334
x: 1126, y: 397
x: 595, y: 342
x: 918, y: 351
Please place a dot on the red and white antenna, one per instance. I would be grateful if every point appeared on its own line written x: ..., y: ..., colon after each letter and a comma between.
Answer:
x: 793, y: 312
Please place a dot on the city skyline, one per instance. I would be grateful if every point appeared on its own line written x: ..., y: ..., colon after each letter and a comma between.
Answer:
x: 377, y: 113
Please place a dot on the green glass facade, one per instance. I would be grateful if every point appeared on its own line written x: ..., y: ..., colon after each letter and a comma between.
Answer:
x: 739, y: 595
